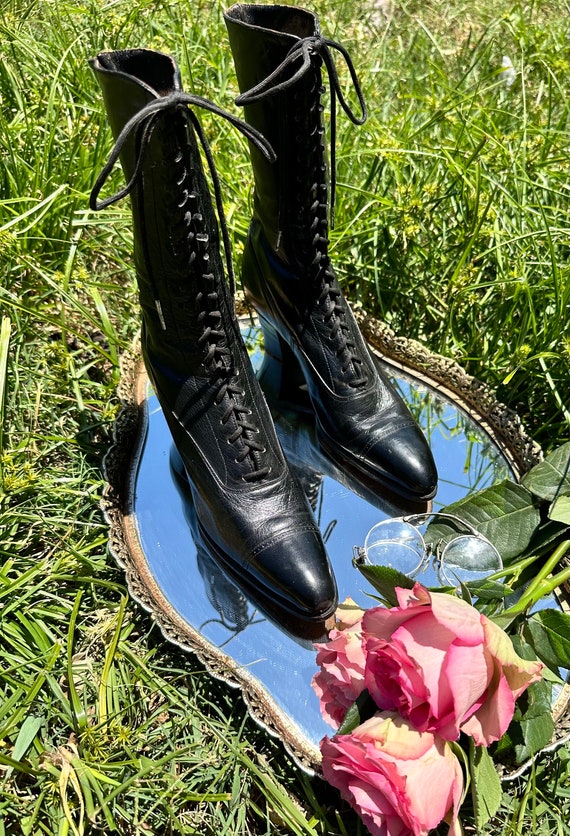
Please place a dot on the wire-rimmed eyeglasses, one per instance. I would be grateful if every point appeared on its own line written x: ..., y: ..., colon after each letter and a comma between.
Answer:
x: 447, y: 558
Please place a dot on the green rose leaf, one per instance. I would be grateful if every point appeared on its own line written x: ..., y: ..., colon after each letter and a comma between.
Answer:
x: 533, y: 726
x: 384, y: 579
x: 548, y: 631
x: 505, y: 513
x: 550, y: 478
x: 560, y: 510
x: 537, y: 733
x: 363, y: 708
x: 486, y: 789
x: 547, y: 535
x: 503, y: 621
x: 485, y: 590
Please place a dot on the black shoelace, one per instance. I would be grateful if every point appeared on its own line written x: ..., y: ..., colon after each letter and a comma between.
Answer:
x: 306, y: 51
x: 141, y: 123
x: 214, y: 353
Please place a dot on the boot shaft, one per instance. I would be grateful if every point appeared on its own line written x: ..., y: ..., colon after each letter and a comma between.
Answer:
x: 291, y: 196
x: 176, y: 249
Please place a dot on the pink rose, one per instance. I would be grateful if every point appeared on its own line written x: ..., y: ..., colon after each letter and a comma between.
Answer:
x: 400, y: 781
x: 444, y: 666
x: 341, y: 660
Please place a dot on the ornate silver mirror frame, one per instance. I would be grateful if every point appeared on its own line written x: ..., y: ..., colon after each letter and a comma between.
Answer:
x: 476, y: 441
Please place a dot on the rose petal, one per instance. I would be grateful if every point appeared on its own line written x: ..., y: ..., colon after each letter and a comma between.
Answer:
x: 348, y: 614
x: 401, y: 782
x: 519, y: 673
x: 459, y: 617
x: 491, y: 720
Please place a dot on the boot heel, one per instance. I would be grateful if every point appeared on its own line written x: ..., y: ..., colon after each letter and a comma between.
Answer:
x: 280, y: 374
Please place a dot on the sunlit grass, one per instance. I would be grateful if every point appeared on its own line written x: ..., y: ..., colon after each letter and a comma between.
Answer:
x: 451, y: 224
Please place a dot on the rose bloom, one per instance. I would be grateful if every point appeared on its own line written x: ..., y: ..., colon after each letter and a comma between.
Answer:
x: 341, y: 660
x: 400, y: 781
x: 440, y: 663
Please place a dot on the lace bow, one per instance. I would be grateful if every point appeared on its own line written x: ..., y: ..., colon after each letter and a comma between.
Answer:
x: 303, y: 51
x: 141, y: 124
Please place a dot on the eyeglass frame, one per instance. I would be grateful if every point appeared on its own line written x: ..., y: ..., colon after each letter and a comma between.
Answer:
x: 431, y: 551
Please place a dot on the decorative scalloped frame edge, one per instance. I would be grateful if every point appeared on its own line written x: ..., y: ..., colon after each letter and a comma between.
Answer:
x: 120, y: 464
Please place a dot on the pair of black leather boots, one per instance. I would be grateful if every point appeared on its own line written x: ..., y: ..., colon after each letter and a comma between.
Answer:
x: 250, y: 508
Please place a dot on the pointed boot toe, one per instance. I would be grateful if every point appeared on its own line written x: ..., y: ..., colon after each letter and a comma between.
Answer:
x: 385, y: 447
x: 412, y: 465
x: 406, y: 461
x: 292, y: 566
x: 270, y: 544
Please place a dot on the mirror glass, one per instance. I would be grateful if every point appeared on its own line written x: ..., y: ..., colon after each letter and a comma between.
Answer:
x: 275, y: 659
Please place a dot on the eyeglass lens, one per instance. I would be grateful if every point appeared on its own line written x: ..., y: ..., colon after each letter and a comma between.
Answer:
x: 396, y: 544
x: 469, y: 558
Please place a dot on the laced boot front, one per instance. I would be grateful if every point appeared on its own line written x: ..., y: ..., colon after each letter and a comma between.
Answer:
x: 252, y: 514
x: 310, y: 331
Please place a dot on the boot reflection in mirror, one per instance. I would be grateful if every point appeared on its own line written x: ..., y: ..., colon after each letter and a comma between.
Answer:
x: 298, y: 436
x: 250, y: 509
x: 238, y: 604
x: 309, y: 330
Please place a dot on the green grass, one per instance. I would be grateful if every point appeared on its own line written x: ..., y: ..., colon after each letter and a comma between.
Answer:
x: 451, y: 224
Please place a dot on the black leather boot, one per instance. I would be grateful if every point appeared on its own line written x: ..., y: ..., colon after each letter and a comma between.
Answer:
x: 362, y: 423
x: 251, y: 511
